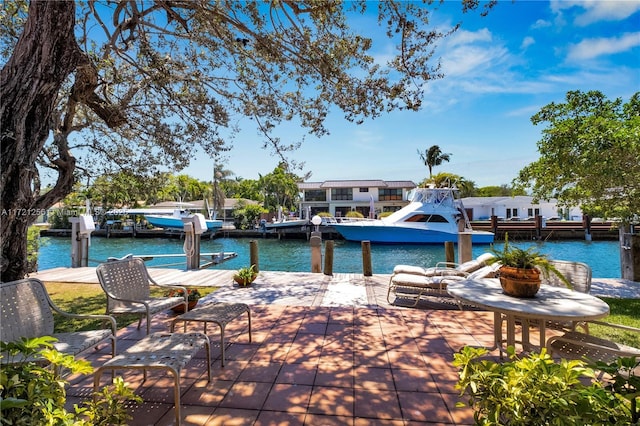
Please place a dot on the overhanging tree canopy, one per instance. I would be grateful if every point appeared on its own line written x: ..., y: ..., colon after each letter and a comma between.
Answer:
x: 589, y: 155
x: 134, y: 85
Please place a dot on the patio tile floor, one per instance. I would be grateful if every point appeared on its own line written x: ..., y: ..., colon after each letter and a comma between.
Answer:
x: 315, y: 365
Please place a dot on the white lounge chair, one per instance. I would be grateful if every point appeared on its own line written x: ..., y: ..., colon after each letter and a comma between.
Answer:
x: 449, y: 268
x: 415, y: 286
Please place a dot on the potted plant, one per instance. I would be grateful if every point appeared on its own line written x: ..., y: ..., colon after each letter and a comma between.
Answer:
x: 520, y: 269
x: 245, y: 276
x: 193, y: 295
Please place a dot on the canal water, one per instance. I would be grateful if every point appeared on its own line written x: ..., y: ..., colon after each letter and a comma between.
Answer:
x: 295, y: 255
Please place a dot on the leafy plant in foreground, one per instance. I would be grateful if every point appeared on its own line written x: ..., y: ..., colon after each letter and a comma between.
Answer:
x: 536, y: 390
x: 34, y: 394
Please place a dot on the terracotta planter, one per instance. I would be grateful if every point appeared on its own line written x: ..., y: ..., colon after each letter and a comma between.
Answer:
x: 243, y: 282
x: 519, y: 282
x: 180, y: 308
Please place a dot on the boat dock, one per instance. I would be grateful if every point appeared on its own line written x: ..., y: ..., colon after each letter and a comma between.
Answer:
x: 521, y: 230
x: 548, y: 231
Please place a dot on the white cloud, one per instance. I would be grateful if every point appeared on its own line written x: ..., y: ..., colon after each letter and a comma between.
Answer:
x: 594, y: 47
x: 467, y: 37
x: 528, y: 41
x: 597, y: 10
x: 541, y: 23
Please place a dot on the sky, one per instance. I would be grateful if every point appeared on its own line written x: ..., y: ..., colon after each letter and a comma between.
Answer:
x: 499, y: 71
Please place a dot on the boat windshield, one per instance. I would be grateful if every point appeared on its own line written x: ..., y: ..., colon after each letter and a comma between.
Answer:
x: 432, y: 218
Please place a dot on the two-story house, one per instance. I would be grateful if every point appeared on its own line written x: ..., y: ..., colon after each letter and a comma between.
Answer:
x: 369, y: 197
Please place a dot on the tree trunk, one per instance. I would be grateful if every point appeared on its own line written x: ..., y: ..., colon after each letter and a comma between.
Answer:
x: 43, y: 58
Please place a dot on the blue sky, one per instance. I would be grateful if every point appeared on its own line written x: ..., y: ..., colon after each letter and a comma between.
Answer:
x: 500, y: 70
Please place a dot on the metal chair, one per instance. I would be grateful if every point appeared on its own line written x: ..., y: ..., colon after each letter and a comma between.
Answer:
x: 127, y: 285
x: 28, y: 312
x: 576, y: 345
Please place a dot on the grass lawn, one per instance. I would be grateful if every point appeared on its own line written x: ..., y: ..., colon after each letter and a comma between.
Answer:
x: 622, y: 311
x: 90, y: 299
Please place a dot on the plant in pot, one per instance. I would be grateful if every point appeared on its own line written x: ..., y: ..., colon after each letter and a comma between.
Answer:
x: 193, y: 295
x: 245, y: 276
x: 520, y: 269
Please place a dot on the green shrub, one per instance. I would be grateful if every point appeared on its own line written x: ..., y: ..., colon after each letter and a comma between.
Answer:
x: 355, y: 214
x: 59, y: 220
x: 536, y: 390
x: 246, y: 216
x: 33, y: 245
x: 31, y: 394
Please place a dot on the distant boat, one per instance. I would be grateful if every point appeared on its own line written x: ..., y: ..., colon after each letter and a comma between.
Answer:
x: 174, y: 220
x: 433, y: 216
x: 286, y: 223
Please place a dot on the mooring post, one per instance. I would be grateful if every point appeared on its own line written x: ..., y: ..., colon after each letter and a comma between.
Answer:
x: 81, y: 228
x: 328, y: 257
x: 464, y: 247
x: 449, y: 252
x: 586, y: 224
x: 315, y: 240
x: 367, y: 270
x: 316, y: 252
x: 253, y: 255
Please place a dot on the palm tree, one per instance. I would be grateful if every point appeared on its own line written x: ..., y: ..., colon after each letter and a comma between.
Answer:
x: 433, y: 157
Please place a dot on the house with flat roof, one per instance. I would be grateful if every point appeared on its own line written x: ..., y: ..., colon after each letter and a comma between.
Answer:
x: 517, y: 208
x: 369, y: 197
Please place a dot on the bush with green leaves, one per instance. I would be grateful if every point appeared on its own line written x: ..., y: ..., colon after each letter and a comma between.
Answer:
x: 246, y: 216
x: 34, y: 241
x: 536, y: 390
x: 354, y: 214
x: 33, y: 393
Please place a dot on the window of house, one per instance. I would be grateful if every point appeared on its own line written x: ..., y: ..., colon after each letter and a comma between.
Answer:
x: 364, y: 190
x: 342, y: 194
x: 315, y: 195
x: 390, y: 194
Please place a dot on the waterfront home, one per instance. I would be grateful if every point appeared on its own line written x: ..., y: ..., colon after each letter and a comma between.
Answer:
x: 520, y: 207
x: 338, y: 197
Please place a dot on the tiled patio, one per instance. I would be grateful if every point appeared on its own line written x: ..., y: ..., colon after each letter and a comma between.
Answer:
x: 318, y: 365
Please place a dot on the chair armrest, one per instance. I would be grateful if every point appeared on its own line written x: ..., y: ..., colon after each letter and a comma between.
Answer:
x: 109, y: 318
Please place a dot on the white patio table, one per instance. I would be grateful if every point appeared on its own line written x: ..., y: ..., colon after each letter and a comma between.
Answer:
x: 549, y: 304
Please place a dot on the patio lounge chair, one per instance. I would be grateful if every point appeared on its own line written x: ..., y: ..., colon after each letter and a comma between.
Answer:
x: 449, y: 268
x: 128, y: 287
x: 414, y: 286
x: 576, y: 345
x: 28, y: 312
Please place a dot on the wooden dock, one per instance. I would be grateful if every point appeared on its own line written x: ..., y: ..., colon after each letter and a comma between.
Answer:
x: 87, y: 275
x: 550, y: 231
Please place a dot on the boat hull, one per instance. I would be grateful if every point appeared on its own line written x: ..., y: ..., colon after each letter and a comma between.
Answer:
x: 297, y: 223
x: 401, y: 235
x: 177, y: 223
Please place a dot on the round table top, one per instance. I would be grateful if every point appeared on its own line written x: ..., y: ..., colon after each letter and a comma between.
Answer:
x: 551, y: 303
